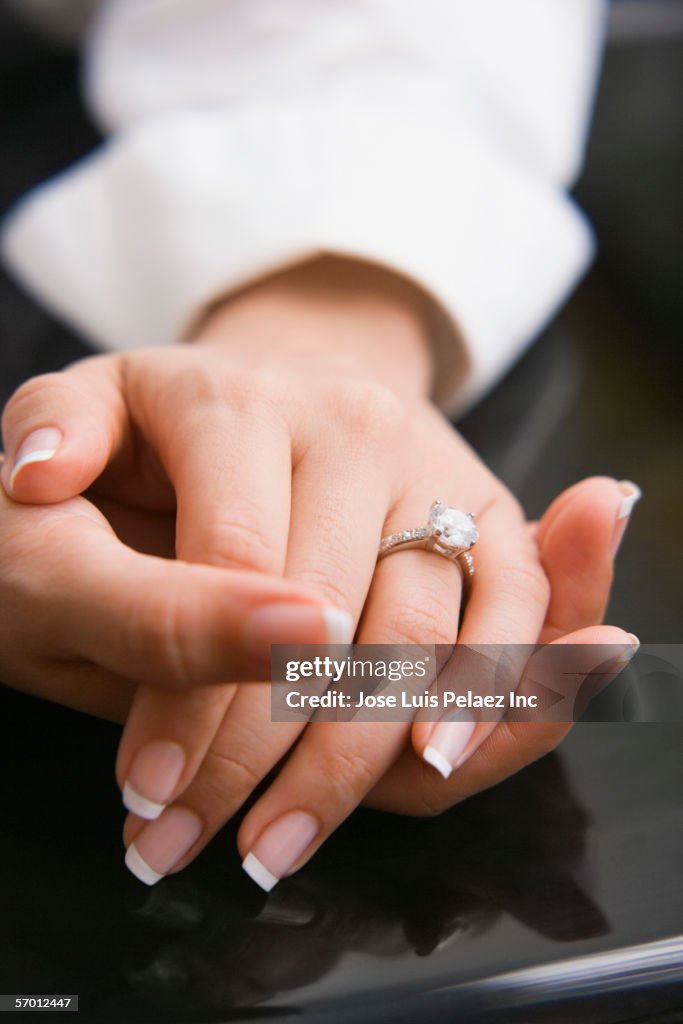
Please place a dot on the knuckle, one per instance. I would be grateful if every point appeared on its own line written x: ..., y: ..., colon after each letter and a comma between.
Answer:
x: 430, y: 804
x: 22, y: 404
x: 208, y: 388
x: 368, y: 410
x: 232, y: 773
x: 329, y: 568
x: 526, y: 584
x: 428, y: 619
x: 330, y: 579
x: 431, y: 796
x: 350, y: 775
x: 525, y: 742
x: 250, y: 393
x: 156, y: 636
x: 243, y: 391
x: 239, y: 544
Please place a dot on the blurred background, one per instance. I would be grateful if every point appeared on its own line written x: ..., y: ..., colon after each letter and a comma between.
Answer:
x: 607, y: 373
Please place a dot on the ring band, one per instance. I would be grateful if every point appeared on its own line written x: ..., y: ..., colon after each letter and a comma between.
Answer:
x: 449, y: 532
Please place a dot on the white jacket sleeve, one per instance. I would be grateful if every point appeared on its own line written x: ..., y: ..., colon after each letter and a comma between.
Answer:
x: 437, y: 138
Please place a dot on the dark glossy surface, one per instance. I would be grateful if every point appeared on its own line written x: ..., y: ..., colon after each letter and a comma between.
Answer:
x: 578, y: 854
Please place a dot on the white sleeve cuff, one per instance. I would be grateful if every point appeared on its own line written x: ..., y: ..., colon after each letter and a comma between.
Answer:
x: 132, y: 243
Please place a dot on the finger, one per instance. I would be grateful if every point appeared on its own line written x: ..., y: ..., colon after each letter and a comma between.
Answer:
x: 329, y: 773
x: 335, y: 764
x: 243, y: 751
x: 509, y: 594
x: 248, y: 744
x: 164, y: 623
x: 506, y: 606
x: 415, y: 594
x: 578, y: 538
x: 61, y: 429
x: 164, y: 743
x: 339, y: 561
x: 228, y: 457
x: 411, y: 788
x: 339, y: 502
x: 413, y: 600
x: 630, y: 495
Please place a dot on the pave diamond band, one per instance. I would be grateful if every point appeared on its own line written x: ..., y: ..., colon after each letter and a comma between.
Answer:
x: 449, y: 532
x: 402, y: 538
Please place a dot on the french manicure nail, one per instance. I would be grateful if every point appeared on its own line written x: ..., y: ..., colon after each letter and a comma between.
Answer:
x: 338, y: 625
x: 279, y: 847
x: 152, y: 778
x: 39, y: 446
x: 448, y: 742
x: 161, y: 844
x: 630, y: 652
x: 625, y: 654
x: 297, y: 624
x: 632, y: 494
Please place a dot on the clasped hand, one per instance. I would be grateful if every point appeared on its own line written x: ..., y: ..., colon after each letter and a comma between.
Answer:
x: 172, y: 512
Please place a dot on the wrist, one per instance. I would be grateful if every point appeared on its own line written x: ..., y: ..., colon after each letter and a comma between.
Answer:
x: 331, y: 305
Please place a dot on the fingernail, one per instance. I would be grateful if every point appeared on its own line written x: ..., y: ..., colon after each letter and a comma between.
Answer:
x: 161, y: 844
x: 278, y: 849
x: 338, y: 625
x: 626, y: 653
x: 39, y: 446
x: 630, y: 652
x: 152, y: 778
x: 448, y: 741
x: 296, y: 624
x: 631, y: 495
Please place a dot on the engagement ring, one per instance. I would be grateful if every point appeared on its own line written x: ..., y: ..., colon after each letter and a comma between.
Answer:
x: 449, y: 532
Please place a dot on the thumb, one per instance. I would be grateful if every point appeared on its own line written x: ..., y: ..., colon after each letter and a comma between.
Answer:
x: 60, y: 431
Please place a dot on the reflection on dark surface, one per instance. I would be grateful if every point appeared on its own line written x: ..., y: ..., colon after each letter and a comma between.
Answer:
x: 419, y: 896
x: 499, y: 883
x: 385, y: 886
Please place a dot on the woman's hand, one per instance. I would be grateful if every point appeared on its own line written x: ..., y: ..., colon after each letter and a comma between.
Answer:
x: 84, y: 619
x: 288, y: 439
x: 578, y: 537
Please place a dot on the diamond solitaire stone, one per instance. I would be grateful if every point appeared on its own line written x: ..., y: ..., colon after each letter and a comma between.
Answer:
x: 455, y: 529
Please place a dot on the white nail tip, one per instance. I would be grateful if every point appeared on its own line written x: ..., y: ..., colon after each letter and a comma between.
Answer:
x: 432, y: 756
x: 140, y: 805
x: 40, y: 455
x: 140, y: 868
x: 339, y: 625
x: 258, y: 873
x: 630, y: 652
x: 630, y: 499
